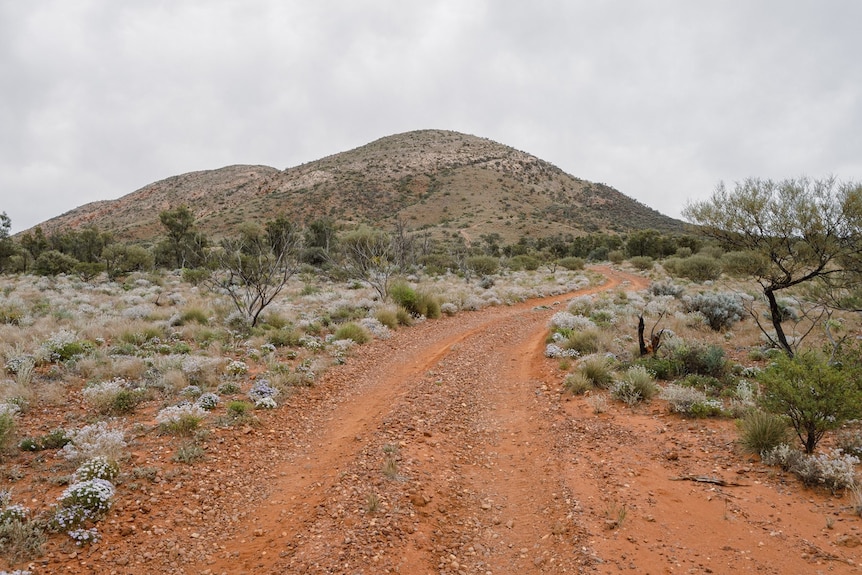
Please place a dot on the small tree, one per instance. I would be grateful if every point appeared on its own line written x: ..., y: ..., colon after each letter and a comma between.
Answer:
x: 807, y: 231
x: 369, y: 256
x: 184, y: 243
x: 814, y: 395
x: 254, y: 267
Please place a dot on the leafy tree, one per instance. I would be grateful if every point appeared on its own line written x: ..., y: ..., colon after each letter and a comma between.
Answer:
x: 35, y: 243
x: 807, y: 230
x: 369, y: 256
x: 53, y: 262
x: 7, y: 246
x: 184, y: 243
x: 120, y: 259
x: 814, y: 395
x: 254, y: 267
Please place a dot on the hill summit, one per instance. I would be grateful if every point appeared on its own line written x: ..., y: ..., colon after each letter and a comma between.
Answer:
x: 441, y: 181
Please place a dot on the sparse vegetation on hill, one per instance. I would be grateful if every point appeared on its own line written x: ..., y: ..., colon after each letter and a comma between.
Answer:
x: 440, y: 182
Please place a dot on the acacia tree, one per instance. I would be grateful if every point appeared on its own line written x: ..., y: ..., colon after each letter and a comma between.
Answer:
x: 808, y: 232
x: 369, y: 256
x: 184, y: 243
x: 254, y: 267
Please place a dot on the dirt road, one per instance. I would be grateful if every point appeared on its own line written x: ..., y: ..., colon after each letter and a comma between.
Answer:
x: 451, y: 448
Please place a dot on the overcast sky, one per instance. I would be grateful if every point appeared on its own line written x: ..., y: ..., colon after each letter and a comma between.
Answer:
x: 660, y: 99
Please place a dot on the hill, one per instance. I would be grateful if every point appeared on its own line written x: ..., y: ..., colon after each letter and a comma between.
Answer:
x: 442, y: 181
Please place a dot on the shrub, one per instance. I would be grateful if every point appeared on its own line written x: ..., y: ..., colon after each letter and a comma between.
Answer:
x: 97, y: 468
x: 53, y: 262
x: 666, y: 288
x: 182, y: 420
x: 700, y: 359
x: 577, y: 383
x: 354, y: 332
x: 238, y: 409
x: 834, y: 470
x: 188, y: 453
x: 83, y: 502
x: 636, y: 385
x: 721, y: 310
x: 112, y: 397
x: 195, y: 315
x: 598, y: 370
x: 698, y: 268
x: 21, y: 540
x: 523, y: 262
x: 572, y: 263
x: 93, y: 441
x: 262, y: 390
x: 583, y: 342
x: 642, y: 263
x: 744, y: 264
x: 387, y: 317
x: 55, y: 439
x: 690, y: 402
x: 429, y: 305
x: 761, y: 431
x: 7, y: 427
x: 813, y: 394
x: 283, y: 337
x: 207, y: 401
x: 483, y: 265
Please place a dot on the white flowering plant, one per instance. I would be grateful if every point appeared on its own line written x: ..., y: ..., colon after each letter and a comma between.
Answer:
x: 93, y: 441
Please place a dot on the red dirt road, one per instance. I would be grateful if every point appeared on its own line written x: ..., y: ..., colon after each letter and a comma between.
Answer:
x: 451, y: 449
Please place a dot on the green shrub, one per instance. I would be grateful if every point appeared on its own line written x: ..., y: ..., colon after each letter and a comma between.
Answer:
x: 616, y: 256
x: 404, y: 295
x: 701, y: 359
x: 597, y: 370
x: 815, y: 395
x: 195, y: 276
x: 195, y: 315
x: 387, y: 317
x: 761, y: 431
x: 697, y: 268
x: 53, y: 262
x: 429, y: 306
x: 664, y: 368
x: 483, y: 265
x: 29, y: 444
x: 523, y: 262
x: 283, y: 337
x: 55, y: 439
x: 572, y: 263
x: 584, y: 342
x: 404, y: 317
x: 705, y: 383
x: 353, y: 332
x: 7, y: 428
x: 635, y: 386
x: 744, y: 264
x: 642, y: 263
x: 577, y: 383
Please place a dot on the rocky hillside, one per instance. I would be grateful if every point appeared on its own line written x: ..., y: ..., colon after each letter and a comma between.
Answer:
x: 441, y: 181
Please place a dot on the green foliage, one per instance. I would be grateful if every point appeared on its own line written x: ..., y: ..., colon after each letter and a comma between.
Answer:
x: 636, y: 385
x: 195, y: 315
x: 189, y: 452
x: 387, y: 317
x: 698, y: 268
x: 88, y: 271
x: 123, y: 259
x: 53, y: 262
x: 353, y: 332
x: 597, y: 369
x: 523, y: 262
x: 577, y: 383
x: 804, y: 231
x: 572, y: 263
x: 483, y: 265
x: 744, y: 264
x: 584, y: 342
x: 642, y: 263
x: 196, y: 276
x: 404, y: 295
x: 814, y: 395
x: 284, y: 337
x: 761, y: 431
x: 701, y: 359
